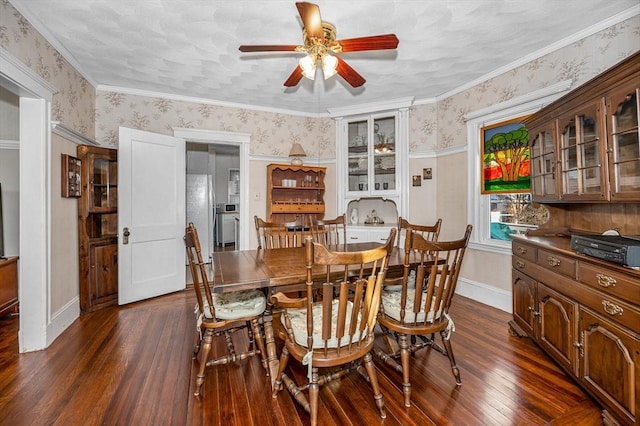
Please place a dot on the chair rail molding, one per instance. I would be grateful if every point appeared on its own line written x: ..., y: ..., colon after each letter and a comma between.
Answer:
x: 71, y: 135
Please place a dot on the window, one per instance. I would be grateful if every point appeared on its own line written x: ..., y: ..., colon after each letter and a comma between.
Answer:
x: 496, y: 216
x: 514, y: 214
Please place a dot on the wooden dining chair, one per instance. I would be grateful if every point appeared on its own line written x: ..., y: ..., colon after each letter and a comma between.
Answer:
x: 336, y: 331
x: 329, y: 231
x: 410, y: 318
x: 428, y: 232
x: 279, y: 235
x: 221, y: 314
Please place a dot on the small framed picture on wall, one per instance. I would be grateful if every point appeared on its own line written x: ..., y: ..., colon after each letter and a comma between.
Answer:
x: 71, y: 172
x: 417, y: 181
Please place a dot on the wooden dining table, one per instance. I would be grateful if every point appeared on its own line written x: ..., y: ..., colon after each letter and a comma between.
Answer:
x: 273, y: 270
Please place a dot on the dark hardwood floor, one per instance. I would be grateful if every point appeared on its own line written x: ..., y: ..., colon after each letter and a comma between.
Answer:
x: 132, y: 365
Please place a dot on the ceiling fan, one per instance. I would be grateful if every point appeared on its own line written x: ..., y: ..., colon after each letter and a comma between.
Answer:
x: 320, y: 45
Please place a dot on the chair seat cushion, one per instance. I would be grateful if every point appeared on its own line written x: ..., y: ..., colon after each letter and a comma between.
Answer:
x: 411, y: 282
x: 391, y: 306
x: 298, y: 318
x: 236, y: 304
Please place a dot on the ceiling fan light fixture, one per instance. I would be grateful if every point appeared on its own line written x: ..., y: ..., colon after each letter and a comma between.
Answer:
x: 320, y: 43
x: 329, y: 66
x: 308, y: 65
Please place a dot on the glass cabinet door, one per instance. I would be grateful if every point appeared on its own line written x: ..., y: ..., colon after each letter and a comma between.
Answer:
x: 371, y: 152
x: 582, y: 154
x: 625, y: 144
x: 358, y: 153
x: 569, y: 159
x: 543, y: 163
x: 384, y: 154
x: 103, y: 184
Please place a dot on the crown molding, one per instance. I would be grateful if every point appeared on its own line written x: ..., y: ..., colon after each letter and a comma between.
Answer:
x: 426, y: 101
x: 541, y: 97
x: 368, y: 108
x: 182, y: 98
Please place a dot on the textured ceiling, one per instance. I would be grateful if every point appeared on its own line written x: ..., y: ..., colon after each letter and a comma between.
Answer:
x: 190, y: 47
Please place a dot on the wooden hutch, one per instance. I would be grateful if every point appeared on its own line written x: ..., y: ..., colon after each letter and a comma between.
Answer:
x: 295, y: 193
x: 582, y: 311
x: 98, y: 228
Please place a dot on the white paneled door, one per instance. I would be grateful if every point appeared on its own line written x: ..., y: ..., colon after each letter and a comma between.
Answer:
x: 151, y: 215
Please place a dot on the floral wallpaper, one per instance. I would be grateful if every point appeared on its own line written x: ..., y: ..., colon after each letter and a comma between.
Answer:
x: 271, y: 133
x: 436, y: 127
x: 74, y: 103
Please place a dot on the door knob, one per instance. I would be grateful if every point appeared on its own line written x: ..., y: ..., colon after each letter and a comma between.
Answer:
x: 125, y: 234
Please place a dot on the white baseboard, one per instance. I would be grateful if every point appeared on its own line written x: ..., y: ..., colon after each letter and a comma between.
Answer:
x: 63, y: 319
x: 483, y: 293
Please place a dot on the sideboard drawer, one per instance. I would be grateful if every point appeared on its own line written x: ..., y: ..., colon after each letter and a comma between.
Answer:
x: 557, y: 263
x: 523, y: 266
x: 610, y: 282
x: 612, y: 308
x: 524, y: 251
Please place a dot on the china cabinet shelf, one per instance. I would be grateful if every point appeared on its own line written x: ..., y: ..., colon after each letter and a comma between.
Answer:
x: 358, y: 149
x: 298, y: 188
x: 369, y: 171
x: 377, y: 172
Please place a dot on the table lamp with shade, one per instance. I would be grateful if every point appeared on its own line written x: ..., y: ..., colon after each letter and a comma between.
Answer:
x: 296, y: 152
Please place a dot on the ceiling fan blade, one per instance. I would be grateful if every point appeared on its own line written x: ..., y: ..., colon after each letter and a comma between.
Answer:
x: 310, y: 14
x: 349, y: 74
x: 294, y: 78
x: 268, y: 48
x: 379, y: 42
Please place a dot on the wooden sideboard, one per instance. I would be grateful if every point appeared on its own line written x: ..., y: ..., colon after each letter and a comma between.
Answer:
x: 8, y: 285
x: 585, y: 314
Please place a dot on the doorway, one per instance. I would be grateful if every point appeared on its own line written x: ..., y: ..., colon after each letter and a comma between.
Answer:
x: 240, y: 143
x: 36, y: 324
x: 212, y: 194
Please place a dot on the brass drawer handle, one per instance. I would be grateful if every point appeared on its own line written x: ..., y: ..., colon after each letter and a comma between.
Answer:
x: 553, y: 261
x: 605, y: 280
x: 612, y: 308
x: 522, y: 250
x: 519, y: 264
